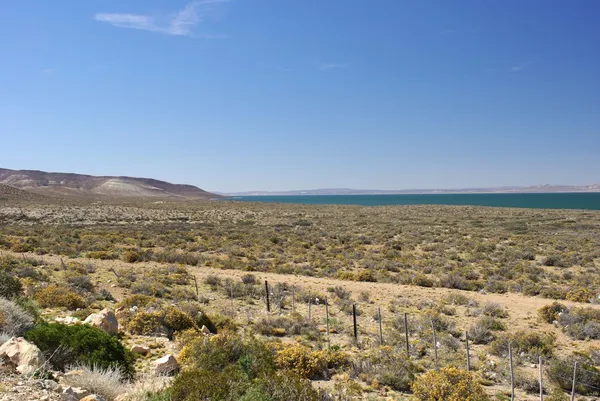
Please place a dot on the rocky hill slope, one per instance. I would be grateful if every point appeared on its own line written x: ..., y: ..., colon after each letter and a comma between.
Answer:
x: 80, y: 185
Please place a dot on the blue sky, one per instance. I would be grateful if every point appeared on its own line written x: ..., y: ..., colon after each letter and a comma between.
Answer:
x: 284, y: 94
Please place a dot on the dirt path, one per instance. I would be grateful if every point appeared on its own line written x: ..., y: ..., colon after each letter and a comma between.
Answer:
x: 522, y: 309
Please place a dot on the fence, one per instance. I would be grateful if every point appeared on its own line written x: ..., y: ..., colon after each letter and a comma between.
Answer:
x: 578, y: 385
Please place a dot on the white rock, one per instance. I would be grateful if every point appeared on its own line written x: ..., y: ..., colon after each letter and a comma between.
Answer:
x: 74, y: 394
x: 166, y: 365
x: 68, y: 320
x: 93, y: 397
x: 26, y: 356
x: 105, y: 320
x: 205, y: 330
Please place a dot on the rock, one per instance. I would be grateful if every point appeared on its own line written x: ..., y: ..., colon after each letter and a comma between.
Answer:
x: 52, y: 385
x: 68, y: 320
x: 140, y: 349
x: 105, y: 320
x: 93, y: 397
x: 74, y: 394
x: 205, y: 330
x: 25, y: 355
x: 166, y: 365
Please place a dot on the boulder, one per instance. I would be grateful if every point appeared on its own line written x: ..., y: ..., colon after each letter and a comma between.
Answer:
x: 74, y: 394
x: 24, y: 355
x: 105, y: 320
x: 166, y: 365
x: 93, y: 397
x: 205, y: 330
x: 52, y: 386
x: 140, y: 349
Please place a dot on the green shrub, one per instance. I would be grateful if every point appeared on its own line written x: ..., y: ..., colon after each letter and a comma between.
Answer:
x: 131, y: 257
x: 227, y: 367
x: 388, y: 366
x: 550, y: 313
x: 138, y: 300
x: 580, y: 295
x: 146, y: 323
x: 448, y: 384
x: 482, y: 331
x: 494, y: 310
x: 529, y: 344
x: 581, y: 323
x: 560, y: 372
x: 10, y: 286
x: 54, y: 296
x: 80, y: 344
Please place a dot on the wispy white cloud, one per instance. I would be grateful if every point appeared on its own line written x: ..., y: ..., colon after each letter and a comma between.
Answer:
x: 48, y: 71
x: 331, y: 66
x: 181, y: 23
x: 519, y: 67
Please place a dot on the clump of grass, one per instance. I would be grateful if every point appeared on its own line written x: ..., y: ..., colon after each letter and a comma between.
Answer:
x: 108, y: 382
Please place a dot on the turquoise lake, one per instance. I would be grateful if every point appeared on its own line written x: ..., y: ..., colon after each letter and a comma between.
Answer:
x: 584, y: 200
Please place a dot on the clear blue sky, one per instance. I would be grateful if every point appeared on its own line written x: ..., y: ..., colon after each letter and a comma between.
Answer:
x: 284, y: 94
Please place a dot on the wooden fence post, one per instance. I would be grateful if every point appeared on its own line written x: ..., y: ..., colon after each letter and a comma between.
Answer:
x: 434, y: 345
x: 327, y: 322
x: 540, y: 364
x: 406, y: 334
x: 512, y: 375
x: 267, y: 292
x: 354, y: 321
x: 380, y: 326
x: 293, y: 299
x: 574, y: 382
x: 196, y: 284
x: 468, y: 354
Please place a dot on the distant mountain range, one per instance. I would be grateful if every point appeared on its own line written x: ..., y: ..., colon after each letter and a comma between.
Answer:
x: 492, y: 190
x: 88, y: 186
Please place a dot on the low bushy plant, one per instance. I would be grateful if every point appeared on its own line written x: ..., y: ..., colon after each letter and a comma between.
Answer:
x: 448, y: 384
x: 14, y: 320
x: 527, y: 344
x: 581, y: 323
x: 66, y: 345
x: 227, y: 367
x: 10, y: 286
x: 54, y: 296
x: 550, y: 313
x: 386, y: 365
x: 560, y: 371
x: 107, y: 382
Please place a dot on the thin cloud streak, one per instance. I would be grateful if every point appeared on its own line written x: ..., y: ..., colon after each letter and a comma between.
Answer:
x: 331, y: 66
x: 181, y: 23
x: 519, y: 67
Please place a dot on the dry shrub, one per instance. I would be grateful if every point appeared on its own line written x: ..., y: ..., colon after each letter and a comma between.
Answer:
x: 448, y: 384
x: 108, y: 382
x: 14, y: 320
x: 54, y: 296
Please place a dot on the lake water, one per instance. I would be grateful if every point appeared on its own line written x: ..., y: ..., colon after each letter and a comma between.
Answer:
x: 585, y: 200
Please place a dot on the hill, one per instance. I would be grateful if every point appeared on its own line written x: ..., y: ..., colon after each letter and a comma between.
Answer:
x: 80, y: 185
x: 14, y: 194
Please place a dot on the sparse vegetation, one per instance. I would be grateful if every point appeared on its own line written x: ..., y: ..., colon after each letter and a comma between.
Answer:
x: 169, y: 269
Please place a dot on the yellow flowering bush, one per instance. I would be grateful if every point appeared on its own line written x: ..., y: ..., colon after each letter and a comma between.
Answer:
x: 448, y: 384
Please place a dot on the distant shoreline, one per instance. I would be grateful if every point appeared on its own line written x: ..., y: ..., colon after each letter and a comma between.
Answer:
x: 536, y: 200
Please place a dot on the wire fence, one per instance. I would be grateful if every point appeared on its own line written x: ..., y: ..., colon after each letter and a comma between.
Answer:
x: 584, y: 381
